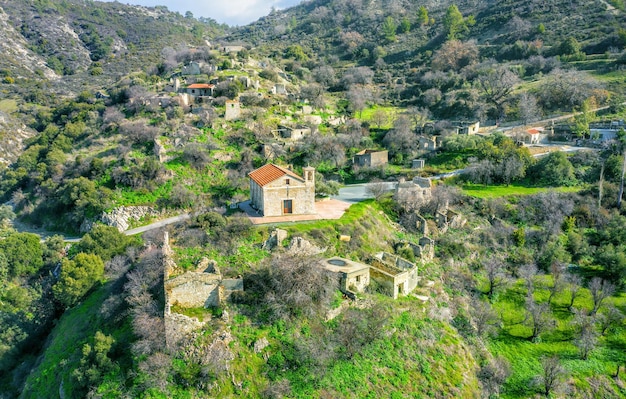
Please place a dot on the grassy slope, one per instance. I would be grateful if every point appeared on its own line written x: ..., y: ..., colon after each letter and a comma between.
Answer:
x: 524, y: 355
x: 481, y: 191
x: 63, y: 350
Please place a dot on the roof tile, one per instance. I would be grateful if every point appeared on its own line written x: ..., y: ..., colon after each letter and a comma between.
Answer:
x: 270, y: 172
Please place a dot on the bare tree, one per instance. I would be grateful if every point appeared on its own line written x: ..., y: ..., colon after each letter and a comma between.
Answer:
x: 481, y: 172
x: 529, y: 110
x: 380, y: 117
x: 528, y: 273
x: 314, y: 93
x: 484, y: 317
x: 288, y: 286
x: 518, y: 27
x: 419, y: 116
x: 610, y: 318
x: 455, y: 55
x: 586, y: 342
x: 400, y: 141
x: 496, y: 85
x: 587, y: 337
x: 493, y: 374
x: 539, y: 317
x: 358, y: 96
x: 325, y: 75
x: 377, y: 189
x: 574, y: 286
x: 557, y: 270
x: 513, y: 168
x: 551, y: 374
x: 600, y: 290
x: 495, y: 274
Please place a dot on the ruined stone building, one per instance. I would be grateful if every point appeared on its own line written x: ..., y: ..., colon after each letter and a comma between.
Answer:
x: 233, y: 110
x: 415, y: 191
x: 353, y: 276
x: 396, y: 275
x: 293, y: 133
x: 371, y: 158
x: 277, y: 191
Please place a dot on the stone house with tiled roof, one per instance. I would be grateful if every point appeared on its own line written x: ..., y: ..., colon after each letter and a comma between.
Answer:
x: 200, y: 90
x: 278, y: 191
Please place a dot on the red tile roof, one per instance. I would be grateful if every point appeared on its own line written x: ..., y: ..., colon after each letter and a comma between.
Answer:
x: 200, y: 86
x: 270, y: 172
x: 533, y: 131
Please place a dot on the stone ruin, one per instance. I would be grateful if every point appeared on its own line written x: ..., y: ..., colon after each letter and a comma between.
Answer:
x: 277, y: 236
x: 397, y: 276
x: 297, y: 245
x: 418, y: 190
x: 204, y: 287
x: 447, y: 218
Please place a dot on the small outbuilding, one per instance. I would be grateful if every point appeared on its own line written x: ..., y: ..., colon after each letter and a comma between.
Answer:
x: 371, y: 158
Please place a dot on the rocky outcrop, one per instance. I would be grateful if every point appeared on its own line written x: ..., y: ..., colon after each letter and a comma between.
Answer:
x: 178, y: 327
x: 120, y: 217
x: 13, y: 133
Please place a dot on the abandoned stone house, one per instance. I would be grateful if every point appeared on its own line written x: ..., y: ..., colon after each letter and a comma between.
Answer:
x: 277, y: 191
x: 353, y: 276
x: 428, y: 143
x: 467, y: 127
x: 371, y: 158
x: 293, y: 133
x: 418, y: 164
x: 230, y: 48
x: 397, y: 276
x: 233, y: 110
x: 193, y: 68
x: 393, y: 274
x: 279, y: 88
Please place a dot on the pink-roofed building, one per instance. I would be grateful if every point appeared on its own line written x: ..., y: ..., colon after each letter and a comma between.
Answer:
x: 200, y: 90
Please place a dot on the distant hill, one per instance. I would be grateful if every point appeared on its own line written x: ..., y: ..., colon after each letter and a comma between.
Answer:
x: 354, y: 30
x: 51, y: 49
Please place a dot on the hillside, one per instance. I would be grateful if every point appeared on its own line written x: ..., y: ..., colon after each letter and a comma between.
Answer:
x: 490, y: 272
x: 52, y: 50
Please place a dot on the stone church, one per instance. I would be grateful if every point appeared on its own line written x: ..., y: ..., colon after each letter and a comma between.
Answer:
x: 278, y: 191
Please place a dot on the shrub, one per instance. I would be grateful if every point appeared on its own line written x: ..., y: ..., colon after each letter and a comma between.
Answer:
x: 78, y: 276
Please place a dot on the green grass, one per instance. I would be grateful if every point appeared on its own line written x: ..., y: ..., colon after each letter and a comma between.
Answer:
x: 367, y: 115
x: 62, y: 353
x: 524, y: 356
x: 481, y: 191
x: 8, y: 106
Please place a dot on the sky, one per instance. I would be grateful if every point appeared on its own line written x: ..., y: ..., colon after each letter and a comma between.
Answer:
x: 231, y: 12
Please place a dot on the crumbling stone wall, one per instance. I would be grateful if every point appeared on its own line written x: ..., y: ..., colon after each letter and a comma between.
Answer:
x: 194, y: 290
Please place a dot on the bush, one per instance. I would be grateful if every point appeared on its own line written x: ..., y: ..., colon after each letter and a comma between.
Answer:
x: 103, y: 241
x: 78, y: 276
x: 291, y: 286
x: 23, y: 253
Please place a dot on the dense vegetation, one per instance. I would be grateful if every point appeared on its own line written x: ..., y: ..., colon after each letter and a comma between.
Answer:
x: 528, y: 294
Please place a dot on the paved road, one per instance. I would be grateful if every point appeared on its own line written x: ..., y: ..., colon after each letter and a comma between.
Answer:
x: 23, y: 228
x: 354, y: 193
x: 159, y: 224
